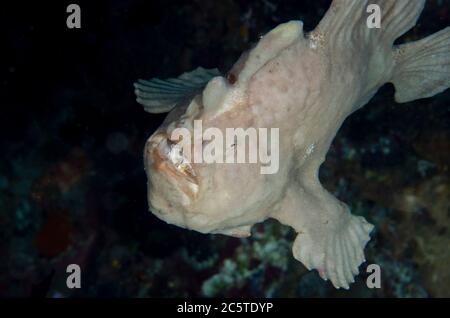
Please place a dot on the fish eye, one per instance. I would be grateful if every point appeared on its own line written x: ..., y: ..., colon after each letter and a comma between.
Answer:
x: 231, y: 78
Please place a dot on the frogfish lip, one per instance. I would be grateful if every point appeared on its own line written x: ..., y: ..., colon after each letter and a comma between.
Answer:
x: 164, y: 158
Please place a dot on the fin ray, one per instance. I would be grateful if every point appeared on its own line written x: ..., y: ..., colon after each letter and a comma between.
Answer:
x: 159, y: 96
x: 345, y: 22
x: 422, y: 68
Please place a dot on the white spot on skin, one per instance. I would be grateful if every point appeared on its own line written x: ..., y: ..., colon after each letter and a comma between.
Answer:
x: 309, y: 150
x: 316, y: 40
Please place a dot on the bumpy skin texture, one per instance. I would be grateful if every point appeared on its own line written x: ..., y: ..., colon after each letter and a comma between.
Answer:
x: 305, y: 86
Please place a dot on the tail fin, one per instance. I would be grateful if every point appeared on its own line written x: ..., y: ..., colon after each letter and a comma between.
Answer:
x: 422, y: 68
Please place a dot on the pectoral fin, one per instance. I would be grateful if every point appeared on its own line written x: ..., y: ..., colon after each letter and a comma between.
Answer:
x: 160, y: 96
x: 330, y: 239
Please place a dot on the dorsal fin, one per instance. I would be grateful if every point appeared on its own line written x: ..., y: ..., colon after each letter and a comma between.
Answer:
x: 345, y: 23
x: 160, y: 96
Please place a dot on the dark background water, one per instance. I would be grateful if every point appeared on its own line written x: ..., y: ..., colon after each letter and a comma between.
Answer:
x: 73, y: 188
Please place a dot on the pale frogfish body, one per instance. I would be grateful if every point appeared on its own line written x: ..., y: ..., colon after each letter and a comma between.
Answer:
x: 304, y: 85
